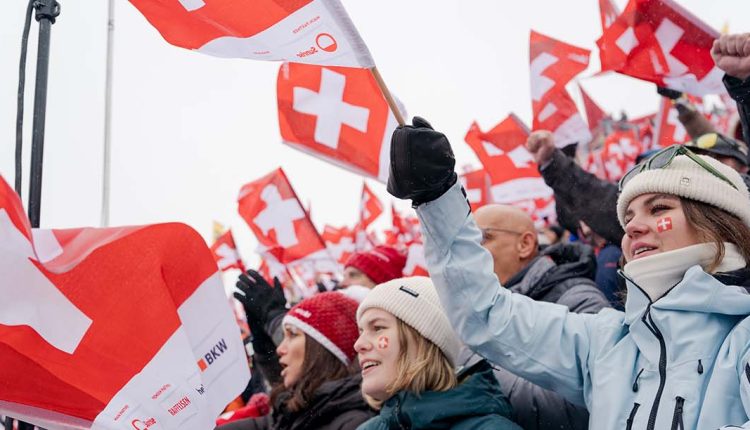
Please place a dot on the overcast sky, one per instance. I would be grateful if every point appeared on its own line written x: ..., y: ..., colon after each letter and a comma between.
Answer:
x: 189, y: 129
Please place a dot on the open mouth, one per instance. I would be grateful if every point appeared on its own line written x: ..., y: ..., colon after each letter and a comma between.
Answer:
x: 369, y: 364
x: 643, y: 249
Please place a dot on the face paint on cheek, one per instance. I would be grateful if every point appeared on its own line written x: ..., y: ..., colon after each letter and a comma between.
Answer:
x: 664, y: 224
x: 383, y: 342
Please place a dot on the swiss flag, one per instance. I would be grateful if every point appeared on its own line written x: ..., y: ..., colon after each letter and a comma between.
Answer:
x: 552, y: 65
x: 669, y: 130
x: 271, y: 208
x: 619, y: 152
x: 416, y: 264
x: 370, y: 207
x: 225, y: 253
x: 305, y: 31
x: 340, y: 242
x: 659, y: 41
x: 477, y: 185
x: 594, y: 113
x: 111, y: 328
x: 338, y: 114
x: 513, y: 173
x: 608, y: 12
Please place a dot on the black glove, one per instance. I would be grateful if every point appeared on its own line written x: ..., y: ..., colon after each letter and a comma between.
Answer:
x: 260, y: 300
x: 668, y: 93
x: 422, y: 163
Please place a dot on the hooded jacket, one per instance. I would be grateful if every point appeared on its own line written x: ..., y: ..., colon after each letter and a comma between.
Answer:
x: 337, y: 405
x: 678, y: 363
x: 475, y: 404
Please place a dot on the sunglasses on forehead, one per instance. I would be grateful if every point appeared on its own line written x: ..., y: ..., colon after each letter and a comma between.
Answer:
x: 664, y: 158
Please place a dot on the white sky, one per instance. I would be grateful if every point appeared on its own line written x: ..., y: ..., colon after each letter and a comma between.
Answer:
x: 189, y: 129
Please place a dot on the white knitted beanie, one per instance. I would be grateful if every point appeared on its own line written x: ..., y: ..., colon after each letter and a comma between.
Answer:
x: 686, y: 178
x: 415, y: 302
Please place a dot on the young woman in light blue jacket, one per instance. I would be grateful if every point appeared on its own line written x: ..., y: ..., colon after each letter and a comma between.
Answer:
x: 677, y: 358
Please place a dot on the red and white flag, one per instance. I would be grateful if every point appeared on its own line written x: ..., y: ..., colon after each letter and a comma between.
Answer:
x: 122, y: 327
x: 514, y: 175
x: 594, y: 113
x: 661, y: 42
x: 225, y: 253
x: 416, y: 264
x: 552, y: 65
x: 338, y: 114
x: 669, y: 130
x: 619, y: 152
x: 340, y: 242
x: 370, y: 207
x: 608, y: 12
x: 304, y: 31
x: 271, y: 208
x: 477, y: 185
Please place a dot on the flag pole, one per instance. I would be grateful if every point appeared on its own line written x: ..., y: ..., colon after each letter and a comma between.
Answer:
x: 388, y: 97
x: 108, y: 115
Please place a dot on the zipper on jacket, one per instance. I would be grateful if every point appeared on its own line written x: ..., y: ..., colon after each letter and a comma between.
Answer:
x: 662, y: 366
x: 677, y: 417
x: 631, y: 417
x: 635, y: 383
x: 700, y: 367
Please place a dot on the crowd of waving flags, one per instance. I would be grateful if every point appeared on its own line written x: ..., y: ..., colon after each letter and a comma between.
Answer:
x: 148, y: 300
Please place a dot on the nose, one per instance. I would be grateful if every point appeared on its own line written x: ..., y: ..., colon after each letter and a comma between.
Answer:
x: 361, y: 344
x: 635, y: 228
x: 281, y: 349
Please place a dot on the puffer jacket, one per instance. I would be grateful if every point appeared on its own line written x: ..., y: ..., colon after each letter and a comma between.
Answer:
x: 475, y: 404
x: 337, y: 405
x: 678, y: 363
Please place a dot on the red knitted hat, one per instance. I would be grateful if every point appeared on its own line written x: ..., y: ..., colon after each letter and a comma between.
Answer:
x: 329, y: 318
x: 381, y: 264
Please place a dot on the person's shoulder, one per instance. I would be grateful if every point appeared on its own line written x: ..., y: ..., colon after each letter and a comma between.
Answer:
x: 487, y: 422
x: 353, y: 419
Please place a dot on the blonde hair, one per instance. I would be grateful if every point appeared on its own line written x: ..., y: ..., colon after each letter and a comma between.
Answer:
x: 427, y: 369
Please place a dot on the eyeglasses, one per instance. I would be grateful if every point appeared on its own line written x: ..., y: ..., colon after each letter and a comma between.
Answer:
x: 485, y: 236
x: 664, y: 158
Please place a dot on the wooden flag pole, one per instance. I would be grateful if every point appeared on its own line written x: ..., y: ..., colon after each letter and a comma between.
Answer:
x: 388, y: 97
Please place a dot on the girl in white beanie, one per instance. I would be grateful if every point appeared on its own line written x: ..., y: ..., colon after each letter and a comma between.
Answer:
x: 407, y: 351
x: 679, y: 356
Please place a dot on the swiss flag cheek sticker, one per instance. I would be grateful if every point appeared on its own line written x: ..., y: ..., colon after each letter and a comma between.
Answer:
x: 664, y: 224
x: 383, y: 342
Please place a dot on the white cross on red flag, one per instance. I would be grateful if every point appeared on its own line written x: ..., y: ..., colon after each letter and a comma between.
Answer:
x: 620, y: 149
x: 271, y: 208
x: 123, y: 327
x: 370, y: 207
x: 514, y: 175
x: 340, y: 242
x: 552, y: 65
x: 477, y: 184
x: 338, y: 114
x: 304, y: 31
x: 225, y: 253
x: 669, y: 130
x: 608, y: 13
x: 661, y: 42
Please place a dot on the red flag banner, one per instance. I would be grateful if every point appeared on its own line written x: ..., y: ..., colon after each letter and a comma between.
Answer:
x: 552, y: 65
x: 608, y: 12
x: 338, y: 114
x: 225, y: 253
x: 113, y: 328
x: 370, y: 207
x: 594, y: 113
x: 477, y: 185
x: 661, y: 42
x: 669, y: 130
x: 303, y: 31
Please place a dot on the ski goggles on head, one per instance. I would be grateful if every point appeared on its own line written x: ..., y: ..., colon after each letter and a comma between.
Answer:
x: 664, y: 158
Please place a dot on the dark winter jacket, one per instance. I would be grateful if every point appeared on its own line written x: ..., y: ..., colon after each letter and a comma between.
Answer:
x: 337, y: 405
x: 740, y: 92
x: 475, y: 404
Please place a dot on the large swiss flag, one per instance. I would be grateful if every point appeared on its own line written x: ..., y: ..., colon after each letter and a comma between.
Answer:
x: 338, y: 114
x: 304, y: 31
x: 113, y: 328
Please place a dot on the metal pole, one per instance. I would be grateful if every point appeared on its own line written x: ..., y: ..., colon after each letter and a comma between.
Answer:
x: 108, y: 115
x: 46, y: 12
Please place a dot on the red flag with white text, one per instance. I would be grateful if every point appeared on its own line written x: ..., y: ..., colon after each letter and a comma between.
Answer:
x: 125, y: 327
x: 337, y: 114
x: 225, y: 253
x: 661, y: 42
x: 304, y: 31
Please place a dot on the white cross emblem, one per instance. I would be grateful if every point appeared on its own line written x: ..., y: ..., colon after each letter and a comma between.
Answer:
x: 29, y: 298
x: 329, y: 107
x: 227, y: 256
x: 664, y: 224
x: 279, y: 215
x: 540, y: 84
x: 191, y: 5
x: 679, y: 134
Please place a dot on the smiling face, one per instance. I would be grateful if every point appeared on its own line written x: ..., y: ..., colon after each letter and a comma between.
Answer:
x: 378, y: 348
x: 656, y: 223
x: 291, y: 353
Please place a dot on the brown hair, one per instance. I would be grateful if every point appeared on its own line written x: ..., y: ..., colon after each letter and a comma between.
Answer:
x: 318, y: 366
x: 714, y: 225
x: 427, y: 369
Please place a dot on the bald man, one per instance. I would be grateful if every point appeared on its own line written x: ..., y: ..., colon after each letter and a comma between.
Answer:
x: 562, y: 274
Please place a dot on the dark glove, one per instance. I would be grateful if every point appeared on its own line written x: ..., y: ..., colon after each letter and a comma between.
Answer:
x: 260, y: 300
x: 668, y: 93
x: 422, y: 163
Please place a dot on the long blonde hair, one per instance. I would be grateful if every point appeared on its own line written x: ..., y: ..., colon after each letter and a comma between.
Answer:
x: 427, y: 369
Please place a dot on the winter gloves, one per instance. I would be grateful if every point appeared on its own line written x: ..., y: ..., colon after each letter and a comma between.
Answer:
x: 422, y: 163
x: 261, y: 301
